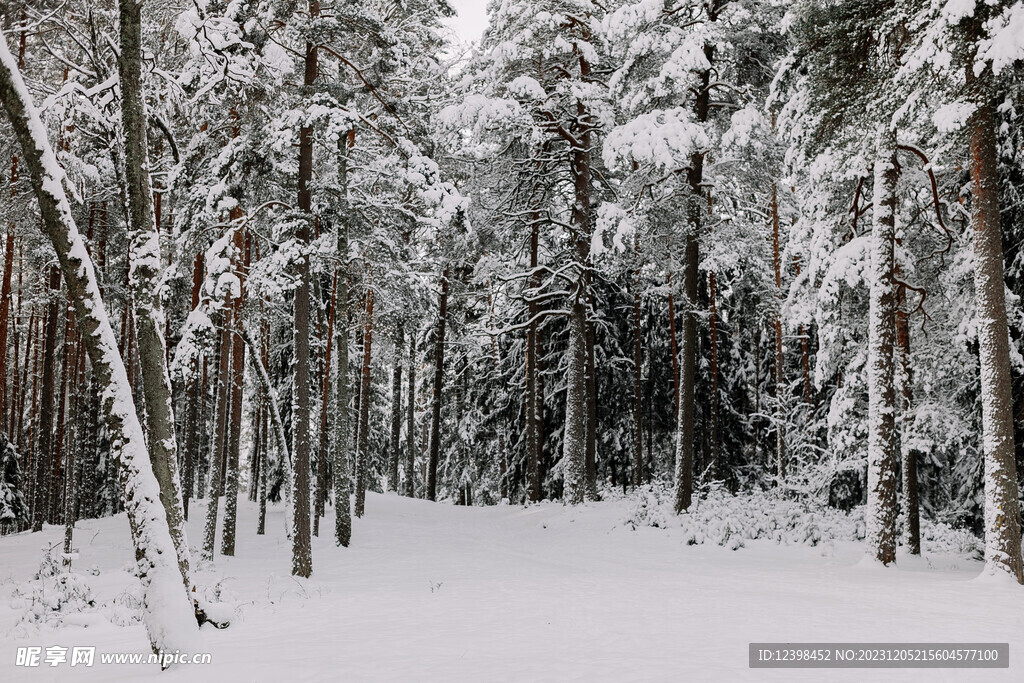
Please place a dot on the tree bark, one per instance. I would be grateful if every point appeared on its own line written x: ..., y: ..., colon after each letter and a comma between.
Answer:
x: 44, y: 449
x: 685, y: 427
x: 883, y: 471
x: 638, y: 395
x: 362, y: 456
x: 342, y: 420
x: 410, y: 423
x: 193, y: 401
x: 396, y: 411
x: 1002, y: 509
x: 321, y: 462
x: 780, y: 434
x: 5, y: 297
x: 222, y: 360
x: 242, y: 245
x: 911, y: 505
x: 577, y: 404
x: 435, y: 407
x: 533, y: 482
x: 146, y: 271
x: 302, y: 554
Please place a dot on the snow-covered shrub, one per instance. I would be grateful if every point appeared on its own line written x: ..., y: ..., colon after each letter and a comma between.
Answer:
x: 938, y: 537
x: 52, y: 593
x: 650, y: 509
x: 718, y: 517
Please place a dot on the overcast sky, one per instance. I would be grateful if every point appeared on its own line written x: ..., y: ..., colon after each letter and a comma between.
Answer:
x: 472, y: 18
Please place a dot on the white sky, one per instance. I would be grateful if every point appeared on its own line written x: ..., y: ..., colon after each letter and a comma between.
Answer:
x: 471, y: 20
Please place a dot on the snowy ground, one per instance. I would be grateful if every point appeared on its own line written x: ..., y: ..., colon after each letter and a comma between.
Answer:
x: 432, y: 592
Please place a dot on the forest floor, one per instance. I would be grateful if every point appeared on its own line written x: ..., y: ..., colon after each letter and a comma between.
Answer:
x: 434, y: 592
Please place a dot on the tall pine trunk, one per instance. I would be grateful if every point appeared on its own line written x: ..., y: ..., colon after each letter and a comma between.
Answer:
x: 342, y: 420
x: 410, y: 422
x: 302, y: 554
x: 577, y: 393
x: 533, y: 482
x: 435, y: 406
x: 686, y: 422
x: 325, y: 398
x: 1002, y: 509
x: 911, y: 504
x: 883, y: 472
x: 44, y: 448
x: 395, y: 454
x: 241, y: 244
x: 779, y: 368
x: 362, y: 455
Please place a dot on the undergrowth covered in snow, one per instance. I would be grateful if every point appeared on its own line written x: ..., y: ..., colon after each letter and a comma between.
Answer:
x: 718, y: 517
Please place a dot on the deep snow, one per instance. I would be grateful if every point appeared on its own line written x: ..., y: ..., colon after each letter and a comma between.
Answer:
x: 433, y: 592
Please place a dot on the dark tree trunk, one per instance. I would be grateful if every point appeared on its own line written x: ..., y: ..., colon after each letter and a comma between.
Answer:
x: 533, y: 444
x: 193, y: 400
x: 302, y: 554
x: 883, y: 469
x: 242, y: 246
x: 435, y: 407
x: 5, y: 298
x: 362, y: 456
x: 577, y: 403
x: 395, y: 455
x: 780, y: 446
x: 1002, y: 508
x: 44, y: 450
x: 321, y: 461
x: 638, y: 391
x: 911, y: 507
x: 686, y: 427
x: 410, y: 423
x: 222, y: 360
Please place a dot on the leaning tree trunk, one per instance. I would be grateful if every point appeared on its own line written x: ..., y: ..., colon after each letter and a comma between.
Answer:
x: 883, y: 472
x: 146, y: 271
x: 168, y: 613
x: 435, y: 407
x: 1002, y: 509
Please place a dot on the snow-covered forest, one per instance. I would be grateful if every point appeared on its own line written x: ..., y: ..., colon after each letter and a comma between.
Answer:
x: 661, y: 275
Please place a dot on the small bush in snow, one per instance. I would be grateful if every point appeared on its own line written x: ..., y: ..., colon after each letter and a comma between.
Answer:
x: 721, y: 518
x: 52, y: 594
